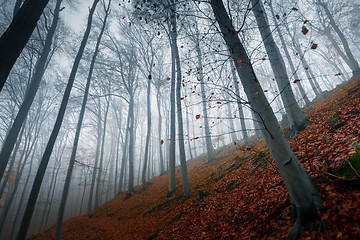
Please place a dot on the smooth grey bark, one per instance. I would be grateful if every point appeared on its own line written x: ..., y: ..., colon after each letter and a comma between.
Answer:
x: 94, y: 173
x: 100, y: 181
x: 50, y: 145
x: 294, y: 113
x: 172, y: 180
x: 124, y: 157
x: 162, y: 168
x: 209, y: 145
x: 310, y: 76
x: 231, y: 122
x: 65, y: 192
x: 17, y: 35
x: 240, y: 109
x: 351, y: 61
x: 148, y: 132
x: 304, y: 196
x: 176, y: 57
x: 287, y: 54
x: 11, y: 137
x: 5, y: 209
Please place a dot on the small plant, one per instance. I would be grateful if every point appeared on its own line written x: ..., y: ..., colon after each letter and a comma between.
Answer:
x: 333, y: 120
x: 350, y: 168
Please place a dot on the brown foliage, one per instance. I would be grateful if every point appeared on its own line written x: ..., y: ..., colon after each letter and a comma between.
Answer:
x: 240, y: 194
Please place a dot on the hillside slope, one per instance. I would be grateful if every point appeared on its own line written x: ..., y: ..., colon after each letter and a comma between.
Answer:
x: 240, y: 194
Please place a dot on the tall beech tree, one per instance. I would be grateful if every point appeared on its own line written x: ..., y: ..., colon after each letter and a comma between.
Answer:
x: 50, y: 145
x: 17, y: 35
x: 287, y: 54
x: 303, y: 193
x: 78, y: 127
x: 293, y: 111
x: 346, y: 54
x: 32, y: 89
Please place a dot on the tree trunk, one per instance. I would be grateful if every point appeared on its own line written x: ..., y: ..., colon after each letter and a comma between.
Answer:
x: 148, y: 133
x: 209, y: 145
x: 50, y: 145
x: 98, y: 145
x: 100, y: 181
x: 172, y: 180
x: 294, y: 113
x: 240, y: 109
x: 10, y: 140
x: 303, y: 194
x: 64, y: 196
x: 131, y: 145
x: 17, y: 35
x: 353, y: 64
x: 287, y: 54
x: 162, y: 167
x: 176, y: 58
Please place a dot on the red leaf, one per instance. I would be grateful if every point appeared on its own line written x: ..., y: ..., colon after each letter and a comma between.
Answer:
x: 314, y: 46
x: 304, y: 30
x: 197, y: 116
x: 218, y: 102
x: 161, y: 142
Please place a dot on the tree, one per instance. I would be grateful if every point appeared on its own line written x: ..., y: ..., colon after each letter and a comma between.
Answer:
x: 287, y: 54
x: 304, y: 196
x: 347, y: 55
x: 294, y: 113
x: 17, y: 35
x: 78, y: 127
x: 50, y: 145
x: 175, y: 58
x: 11, y: 137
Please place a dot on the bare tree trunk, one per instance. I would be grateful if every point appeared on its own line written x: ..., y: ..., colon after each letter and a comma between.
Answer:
x: 148, y: 133
x: 209, y: 145
x: 131, y: 145
x: 100, y: 181
x: 294, y: 113
x: 352, y: 63
x: 176, y: 58
x: 96, y: 167
x: 303, y: 193
x: 17, y: 35
x: 240, y: 109
x: 46, y: 156
x: 78, y: 128
x: 162, y: 167
x: 10, y: 140
x: 287, y: 54
x: 172, y: 180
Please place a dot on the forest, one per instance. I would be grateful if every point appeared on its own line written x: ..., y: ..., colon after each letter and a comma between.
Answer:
x: 179, y: 119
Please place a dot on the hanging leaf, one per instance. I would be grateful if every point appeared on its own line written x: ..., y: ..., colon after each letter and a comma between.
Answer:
x: 168, y: 78
x: 314, y: 46
x: 161, y: 142
x: 149, y: 77
x: 218, y: 102
x: 296, y: 81
x: 338, y: 74
x: 304, y: 30
x: 197, y: 116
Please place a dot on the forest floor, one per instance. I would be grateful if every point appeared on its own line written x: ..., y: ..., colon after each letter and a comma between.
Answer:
x: 240, y: 195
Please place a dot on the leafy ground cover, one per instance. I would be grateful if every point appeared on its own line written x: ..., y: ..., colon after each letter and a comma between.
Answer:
x: 240, y: 194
